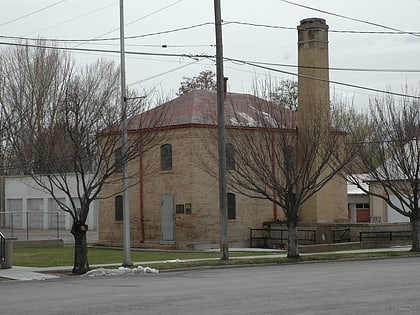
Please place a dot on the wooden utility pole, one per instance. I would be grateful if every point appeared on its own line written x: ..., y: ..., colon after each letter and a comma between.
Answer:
x: 224, y: 238
x: 126, y: 205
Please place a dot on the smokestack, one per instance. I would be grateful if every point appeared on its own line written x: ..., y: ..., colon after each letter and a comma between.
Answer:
x: 313, y: 108
x: 313, y: 85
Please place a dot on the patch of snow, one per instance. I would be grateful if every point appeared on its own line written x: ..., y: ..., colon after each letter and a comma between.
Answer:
x: 100, y: 272
x: 250, y: 122
x: 35, y: 277
x: 175, y: 261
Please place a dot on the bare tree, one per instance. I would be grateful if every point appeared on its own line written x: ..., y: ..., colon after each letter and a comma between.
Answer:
x: 32, y: 83
x: 390, y: 155
x: 65, y: 122
x: 206, y: 80
x: 283, y: 93
x: 270, y: 158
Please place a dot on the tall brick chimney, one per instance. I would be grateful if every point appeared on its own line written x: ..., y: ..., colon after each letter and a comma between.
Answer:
x: 314, y: 95
x: 314, y: 110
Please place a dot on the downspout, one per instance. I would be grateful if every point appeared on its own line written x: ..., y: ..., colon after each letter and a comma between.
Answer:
x: 273, y: 165
x: 142, y: 237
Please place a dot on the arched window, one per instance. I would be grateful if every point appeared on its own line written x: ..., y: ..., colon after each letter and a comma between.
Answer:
x: 230, y: 156
x: 118, y: 208
x: 166, y: 157
x: 231, y: 205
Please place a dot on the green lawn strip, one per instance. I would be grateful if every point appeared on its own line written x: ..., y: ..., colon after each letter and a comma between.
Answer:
x: 51, y: 257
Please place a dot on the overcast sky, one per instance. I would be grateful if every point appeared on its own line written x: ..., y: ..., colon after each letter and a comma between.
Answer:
x: 272, y: 38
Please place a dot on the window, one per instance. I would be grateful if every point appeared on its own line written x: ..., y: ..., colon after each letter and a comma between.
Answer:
x: 231, y: 205
x: 179, y: 208
x: 362, y: 206
x: 118, y: 160
x: 119, y: 208
x: 289, y: 154
x: 230, y: 156
x: 166, y: 157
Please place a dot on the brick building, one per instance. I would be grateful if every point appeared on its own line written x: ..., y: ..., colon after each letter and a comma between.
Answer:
x: 176, y: 201
x: 178, y: 205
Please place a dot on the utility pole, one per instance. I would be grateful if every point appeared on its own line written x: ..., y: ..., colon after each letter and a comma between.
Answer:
x: 224, y: 238
x: 126, y: 205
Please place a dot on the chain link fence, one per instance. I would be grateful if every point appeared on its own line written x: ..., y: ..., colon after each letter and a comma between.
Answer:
x: 36, y: 225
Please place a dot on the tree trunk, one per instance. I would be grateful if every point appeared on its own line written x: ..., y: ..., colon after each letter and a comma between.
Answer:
x: 292, y: 240
x: 415, y: 233
x: 81, y: 265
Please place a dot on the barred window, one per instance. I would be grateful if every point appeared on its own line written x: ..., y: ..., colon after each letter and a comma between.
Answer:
x: 230, y: 156
x: 118, y: 160
x: 119, y: 208
x: 231, y: 205
x: 166, y: 157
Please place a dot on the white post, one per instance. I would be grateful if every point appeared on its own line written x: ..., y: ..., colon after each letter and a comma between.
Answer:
x: 45, y: 214
x: 353, y: 214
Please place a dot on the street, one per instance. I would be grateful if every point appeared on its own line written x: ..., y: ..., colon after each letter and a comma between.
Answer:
x: 389, y: 286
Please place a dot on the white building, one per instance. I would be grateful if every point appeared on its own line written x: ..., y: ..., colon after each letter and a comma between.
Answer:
x: 359, y: 204
x: 27, y: 205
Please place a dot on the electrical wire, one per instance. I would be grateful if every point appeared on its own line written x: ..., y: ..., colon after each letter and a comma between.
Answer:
x: 323, y: 80
x: 32, y: 13
x: 164, y: 73
x: 389, y: 70
x: 329, y: 30
x: 212, y: 57
x: 350, y: 18
x: 73, y: 19
x: 139, y: 19
x: 110, y: 38
x: 154, y: 12
x: 185, y: 28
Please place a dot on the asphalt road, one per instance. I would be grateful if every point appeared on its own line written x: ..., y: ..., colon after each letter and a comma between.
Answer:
x: 390, y: 286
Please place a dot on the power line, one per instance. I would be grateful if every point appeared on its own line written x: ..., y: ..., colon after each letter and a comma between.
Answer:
x: 32, y: 13
x: 97, y: 39
x: 350, y: 18
x: 339, y: 68
x: 389, y: 70
x: 185, y: 28
x: 164, y: 45
x: 323, y: 80
x: 164, y: 73
x: 73, y: 19
x: 329, y: 30
x: 212, y: 57
x: 154, y: 12
x: 141, y: 18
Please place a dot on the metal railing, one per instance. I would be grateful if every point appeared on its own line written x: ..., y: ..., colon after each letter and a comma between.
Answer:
x: 271, y: 237
x: 341, y: 235
x: 385, y: 235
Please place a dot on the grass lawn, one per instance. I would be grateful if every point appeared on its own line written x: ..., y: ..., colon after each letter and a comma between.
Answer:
x: 50, y: 257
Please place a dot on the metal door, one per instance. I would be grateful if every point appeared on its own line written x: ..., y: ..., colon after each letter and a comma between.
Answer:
x: 167, y: 219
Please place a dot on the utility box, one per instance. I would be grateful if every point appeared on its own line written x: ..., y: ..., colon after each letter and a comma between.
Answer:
x: 6, y: 249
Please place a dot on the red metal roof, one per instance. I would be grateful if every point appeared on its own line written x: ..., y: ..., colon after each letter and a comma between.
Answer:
x: 199, y: 107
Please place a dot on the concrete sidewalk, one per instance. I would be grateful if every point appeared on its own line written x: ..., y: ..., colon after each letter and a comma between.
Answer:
x: 44, y: 273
